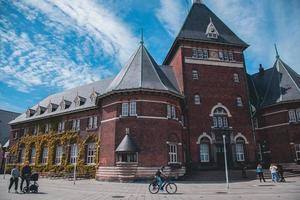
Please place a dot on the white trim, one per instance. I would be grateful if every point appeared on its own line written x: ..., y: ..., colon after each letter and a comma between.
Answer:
x: 190, y: 60
x: 141, y: 100
x: 190, y: 47
x: 151, y: 117
x: 111, y: 119
x: 272, y: 126
x: 242, y: 136
x: 273, y: 113
x: 204, y: 134
x: 217, y: 106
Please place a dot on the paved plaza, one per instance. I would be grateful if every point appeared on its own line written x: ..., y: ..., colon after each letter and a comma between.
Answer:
x: 60, y: 189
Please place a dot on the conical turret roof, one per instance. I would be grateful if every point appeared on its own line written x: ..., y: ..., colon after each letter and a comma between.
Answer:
x: 127, y: 145
x: 142, y: 73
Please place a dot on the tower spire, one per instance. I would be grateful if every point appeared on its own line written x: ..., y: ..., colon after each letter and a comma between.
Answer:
x: 277, y: 55
x: 142, y: 37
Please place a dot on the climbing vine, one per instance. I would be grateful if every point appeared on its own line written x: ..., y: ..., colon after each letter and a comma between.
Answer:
x: 53, y: 139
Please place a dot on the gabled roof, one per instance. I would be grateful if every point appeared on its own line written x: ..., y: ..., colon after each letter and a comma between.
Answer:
x: 197, y: 21
x: 277, y: 84
x: 127, y: 145
x: 142, y: 73
x: 5, y: 117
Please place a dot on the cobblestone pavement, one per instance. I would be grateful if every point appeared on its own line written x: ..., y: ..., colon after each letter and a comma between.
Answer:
x: 94, y: 190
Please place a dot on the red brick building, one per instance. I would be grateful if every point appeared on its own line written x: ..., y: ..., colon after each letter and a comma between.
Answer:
x: 148, y: 116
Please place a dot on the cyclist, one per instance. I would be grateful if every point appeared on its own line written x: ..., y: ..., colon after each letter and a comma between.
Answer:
x: 159, y: 175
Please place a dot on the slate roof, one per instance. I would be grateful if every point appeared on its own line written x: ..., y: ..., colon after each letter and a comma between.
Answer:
x: 127, y: 145
x: 84, y: 91
x: 142, y: 72
x: 277, y: 84
x: 5, y: 117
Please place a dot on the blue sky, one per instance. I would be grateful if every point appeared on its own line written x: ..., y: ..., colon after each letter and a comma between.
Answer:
x: 49, y: 46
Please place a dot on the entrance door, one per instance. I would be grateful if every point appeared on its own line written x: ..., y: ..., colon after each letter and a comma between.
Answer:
x: 220, y: 155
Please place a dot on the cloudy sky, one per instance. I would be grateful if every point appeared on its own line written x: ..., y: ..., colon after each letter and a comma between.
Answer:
x: 47, y: 46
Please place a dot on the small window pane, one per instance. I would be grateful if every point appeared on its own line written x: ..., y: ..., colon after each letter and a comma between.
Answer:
x: 195, y: 75
x: 292, y: 115
x: 132, y: 108
x: 204, y: 152
x: 197, y: 99
x: 124, y: 109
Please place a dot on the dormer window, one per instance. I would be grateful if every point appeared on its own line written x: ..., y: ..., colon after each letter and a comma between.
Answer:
x: 52, y: 107
x: 79, y: 101
x: 211, y: 31
x: 65, y: 104
x: 30, y: 112
x: 40, y: 110
x: 93, y: 96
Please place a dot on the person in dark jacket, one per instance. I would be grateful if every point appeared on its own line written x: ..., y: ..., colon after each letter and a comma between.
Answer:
x: 25, y: 175
x: 280, y: 172
x: 14, y: 179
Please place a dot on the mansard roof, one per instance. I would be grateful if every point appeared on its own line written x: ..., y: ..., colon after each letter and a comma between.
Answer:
x: 127, y: 145
x: 69, y: 95
x: 142, y: 73
x: 277, y: 84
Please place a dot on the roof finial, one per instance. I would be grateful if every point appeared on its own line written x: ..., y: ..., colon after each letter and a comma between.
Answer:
x: 197, y: 1
x: 142, y: 37
x: 277, y: 55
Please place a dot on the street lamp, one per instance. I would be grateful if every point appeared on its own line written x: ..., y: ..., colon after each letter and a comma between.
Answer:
x: 225, y: 156
x: 5, y: 161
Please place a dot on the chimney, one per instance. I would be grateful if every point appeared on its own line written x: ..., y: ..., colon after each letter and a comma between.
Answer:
x: 261, y: 69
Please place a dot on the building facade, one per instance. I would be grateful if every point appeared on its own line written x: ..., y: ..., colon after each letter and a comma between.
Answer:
x: 149, y: 115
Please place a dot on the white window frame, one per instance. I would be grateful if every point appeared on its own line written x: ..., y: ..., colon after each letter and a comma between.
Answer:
x: 90, y: 123
x: 44, y: 155
x: 173, y: 157
x: 298, y: 114
x: 73, y: 153
x: 239, y: 150
x: 61, y: 126
x: 169, y: 112
x: 204, y: 152
x: 32, y: 155
x: 91, y: 154
x: 297, y: 151
x: 292, y: 116
x: 132, y: 108
x: 239, y: 102
x: 173, y: 112
x: 47, y: 128
x: 125, y: 109
x: 195, y: 75
x: 95, y: 121
x: 58, y: 154
x: 230, y: 56
x: 236, y: 78
x: 197, y: 99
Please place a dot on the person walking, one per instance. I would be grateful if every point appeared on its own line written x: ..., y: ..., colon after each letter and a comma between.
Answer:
x: 14, y: 179
x: 273, y: 170
x: 280, y: 173
x: 260, y: 173
x: 25, y: 175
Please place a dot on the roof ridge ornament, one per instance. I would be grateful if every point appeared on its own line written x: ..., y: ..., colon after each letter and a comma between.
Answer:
x: 197, y: 1
x: 142, y: 37
x: 211, y: 30
x: 277, y: 55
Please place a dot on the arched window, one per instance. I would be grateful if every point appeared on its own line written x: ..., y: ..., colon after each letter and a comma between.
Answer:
x: 58, y: 154
x: 239, y: 149
x: 21, y: 153
x: 32, y: 154
x: 220, y: 118
x: 197, y: 99
x: 44, y: 157
x: 204, y: 149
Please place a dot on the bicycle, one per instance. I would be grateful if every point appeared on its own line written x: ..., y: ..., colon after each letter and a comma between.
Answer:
x: 169, y: 185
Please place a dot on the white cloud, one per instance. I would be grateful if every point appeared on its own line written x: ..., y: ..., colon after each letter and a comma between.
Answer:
x: 171, y: 15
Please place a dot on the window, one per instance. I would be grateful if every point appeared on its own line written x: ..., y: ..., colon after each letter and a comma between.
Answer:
x: 58, y: 155
x: 21, y: 154
x: 132, y: 108
x: 239, y: 102
x: 200, y: 53
x: 173, y: 112
x: 220, y: 119
x: 297, y: 148
x: 61, y: 126
x: 172, y: 153
x: 204, y: 150
x: 76, y: 125
x: 127, y: 157
x: 298, y: 114
x: 47, y: 128
x: 44, y: 155
x: 124, y: 109
x: 35, y: 130
x: 91, y: 153
x: 73, y: 153
x: 240, y: 156
x: 195, y: 74
x: 32, y: 155
x: 226, y: 56
x: 197, y: 99
x: 93, y: 122
x: 230, y: 56
x: 236, y: 78
x: 169, y: 115
x: 292, y: 115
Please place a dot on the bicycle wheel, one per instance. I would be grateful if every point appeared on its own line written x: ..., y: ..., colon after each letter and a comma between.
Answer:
x: 153, y: 188
x: 171, y: 188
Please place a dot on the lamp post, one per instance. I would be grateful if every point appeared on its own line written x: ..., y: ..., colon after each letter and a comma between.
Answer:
x: 225, y: 159
x: 5, y: 161
x: 75, y: 164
